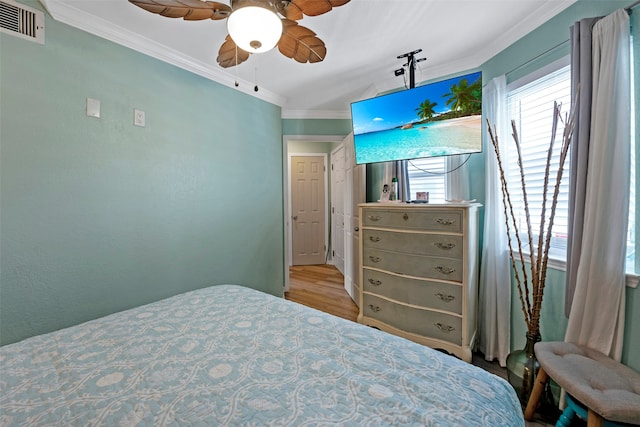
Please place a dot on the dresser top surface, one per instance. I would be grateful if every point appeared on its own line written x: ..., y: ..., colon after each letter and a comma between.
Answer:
x: 405, y: 205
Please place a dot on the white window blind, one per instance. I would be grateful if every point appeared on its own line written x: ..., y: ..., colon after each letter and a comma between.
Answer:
x: 427, y: 175
x: 531, y: 107
x: 633, y: 260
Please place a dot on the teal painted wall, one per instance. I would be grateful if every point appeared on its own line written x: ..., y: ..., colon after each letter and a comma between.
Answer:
x: 316, y: 126
x: 312, y: 147
x: 99, y: 215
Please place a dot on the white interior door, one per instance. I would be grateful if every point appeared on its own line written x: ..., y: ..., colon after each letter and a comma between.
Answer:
x: 337, y: 207
x: 355, y: 194
x: 308, y: 210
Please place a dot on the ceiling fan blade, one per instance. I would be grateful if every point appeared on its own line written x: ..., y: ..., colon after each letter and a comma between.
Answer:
x: 289, y: 10
x: 189, y: 10
x: 300, y: 43
x: 315, y: 7
x: 227, y: 54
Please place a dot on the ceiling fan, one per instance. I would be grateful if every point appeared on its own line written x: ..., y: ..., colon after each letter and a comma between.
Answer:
x: 293, y: 40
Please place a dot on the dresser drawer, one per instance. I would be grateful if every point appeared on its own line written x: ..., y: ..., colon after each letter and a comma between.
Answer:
x: 428, y: 323
x: 442, y: 296
x: 443, y: 245
x: 430, y: 220
x: 414, y: 265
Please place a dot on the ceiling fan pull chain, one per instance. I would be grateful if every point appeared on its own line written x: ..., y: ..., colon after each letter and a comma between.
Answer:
x: 255, y: 72
x: 236, y: 67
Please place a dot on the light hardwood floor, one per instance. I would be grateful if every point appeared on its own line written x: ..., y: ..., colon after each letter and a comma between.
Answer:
x: 321, y: 287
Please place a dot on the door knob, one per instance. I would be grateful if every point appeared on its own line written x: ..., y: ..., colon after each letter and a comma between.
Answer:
x: 356, y: 229
x: 295, y: 217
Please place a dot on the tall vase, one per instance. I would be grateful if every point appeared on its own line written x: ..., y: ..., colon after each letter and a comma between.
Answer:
x: 522, y: 368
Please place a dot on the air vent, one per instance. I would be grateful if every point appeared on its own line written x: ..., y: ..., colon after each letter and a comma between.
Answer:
x: 21, y: 21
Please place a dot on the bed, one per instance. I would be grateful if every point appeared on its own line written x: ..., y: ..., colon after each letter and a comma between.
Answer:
x: 230, y: 355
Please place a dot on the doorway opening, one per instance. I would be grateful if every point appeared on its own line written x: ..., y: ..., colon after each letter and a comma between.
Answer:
x: 343, y: 189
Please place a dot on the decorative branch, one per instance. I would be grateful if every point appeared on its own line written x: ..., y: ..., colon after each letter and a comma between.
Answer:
x: 506, y: 202
x: 542, y: 247
x: 570, y: 124
x: 516, y: 139
x: 531, y: 294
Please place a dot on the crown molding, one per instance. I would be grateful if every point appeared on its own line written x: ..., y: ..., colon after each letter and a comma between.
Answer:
x: 313, y: 138
x: 316, y: 114
x: 67, y: 14
x: 63, y: 12
x: 370, y: 92
x: 543, y: 14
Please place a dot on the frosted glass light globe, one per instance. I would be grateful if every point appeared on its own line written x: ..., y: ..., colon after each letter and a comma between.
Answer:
x: 254, y: 29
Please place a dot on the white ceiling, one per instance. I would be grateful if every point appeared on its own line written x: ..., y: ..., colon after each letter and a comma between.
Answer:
x: 363, y: 40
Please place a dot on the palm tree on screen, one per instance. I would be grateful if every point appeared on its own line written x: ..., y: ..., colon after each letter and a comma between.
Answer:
x: 426, y: 109
x: 464, y: 97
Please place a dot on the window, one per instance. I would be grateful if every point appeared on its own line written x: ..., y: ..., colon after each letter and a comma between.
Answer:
x: 531, y: 108
x: 427, y: 174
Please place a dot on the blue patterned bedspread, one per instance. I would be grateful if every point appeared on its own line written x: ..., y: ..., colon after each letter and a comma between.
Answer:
x: 229, y: 355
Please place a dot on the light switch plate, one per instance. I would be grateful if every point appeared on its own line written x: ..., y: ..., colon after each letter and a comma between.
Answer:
x: 138, y: 118
x: 93, y: 107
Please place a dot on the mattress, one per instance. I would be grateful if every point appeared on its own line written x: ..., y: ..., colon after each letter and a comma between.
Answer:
x: 230, y: 355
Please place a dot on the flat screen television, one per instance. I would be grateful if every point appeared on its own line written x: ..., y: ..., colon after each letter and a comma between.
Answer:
x: 437, y: 119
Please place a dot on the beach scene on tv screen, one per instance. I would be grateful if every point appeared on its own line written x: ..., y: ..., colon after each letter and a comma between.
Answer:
x: 437, y: 119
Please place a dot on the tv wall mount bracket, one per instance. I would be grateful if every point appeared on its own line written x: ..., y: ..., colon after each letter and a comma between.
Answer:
x: 411, y: 65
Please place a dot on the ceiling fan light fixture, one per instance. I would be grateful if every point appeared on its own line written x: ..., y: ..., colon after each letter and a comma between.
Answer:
x: 255, y: 29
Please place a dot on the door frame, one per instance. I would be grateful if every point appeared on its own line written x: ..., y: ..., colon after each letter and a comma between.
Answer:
x: 286, y: 159
x: 355, y: 183
x: 334, y: 198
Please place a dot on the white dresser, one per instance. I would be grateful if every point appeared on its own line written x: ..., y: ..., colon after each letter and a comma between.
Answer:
x: 419, y: 272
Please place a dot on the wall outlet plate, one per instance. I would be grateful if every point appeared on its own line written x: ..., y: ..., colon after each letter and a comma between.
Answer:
x: 93, y: 107
x: 139, y: 118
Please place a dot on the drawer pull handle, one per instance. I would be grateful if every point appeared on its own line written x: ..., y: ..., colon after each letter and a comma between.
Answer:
x: 445, y: 270
x: 375, y: 282
x: 444, y: 328
x: 374, y: 238
x: 374, y: 258
x: 445, y: 298
x: 374, y: 308
x: 374, y: 218
x: 405, y: 216
x: 446, y: 221
x: 445, y: 246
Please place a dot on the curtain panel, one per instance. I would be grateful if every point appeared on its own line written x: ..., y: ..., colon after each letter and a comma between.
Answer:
x: 597, y: 312
x: 494, y: 304
x: 457, y: 178
x: 581, y: 65
x: 401, y: 172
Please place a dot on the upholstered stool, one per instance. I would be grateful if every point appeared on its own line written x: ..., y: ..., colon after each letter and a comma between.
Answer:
x: 608, y: 389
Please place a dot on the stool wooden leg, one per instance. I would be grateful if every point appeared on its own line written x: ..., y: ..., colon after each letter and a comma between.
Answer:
x: 594, y: 419
x: 538, y: 388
